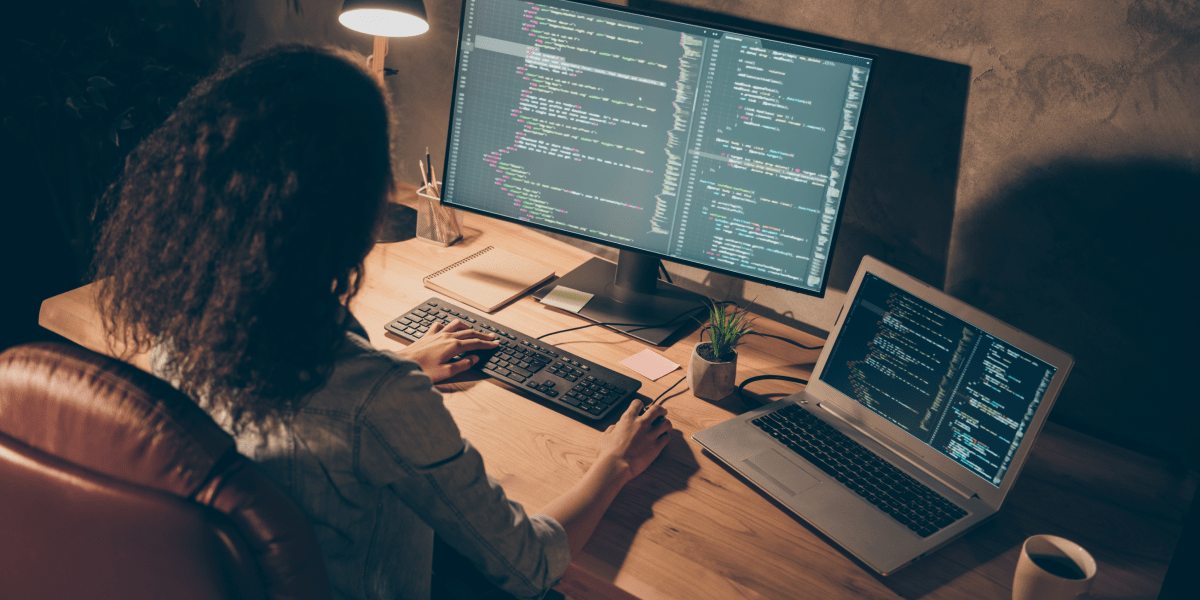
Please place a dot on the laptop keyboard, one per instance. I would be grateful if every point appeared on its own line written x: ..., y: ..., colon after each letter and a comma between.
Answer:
x: 907, y: 500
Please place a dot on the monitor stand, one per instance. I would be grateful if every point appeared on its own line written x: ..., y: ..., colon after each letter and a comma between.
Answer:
x: 630, y: 292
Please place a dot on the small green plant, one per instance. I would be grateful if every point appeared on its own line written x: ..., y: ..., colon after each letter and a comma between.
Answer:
x: 726, y: 328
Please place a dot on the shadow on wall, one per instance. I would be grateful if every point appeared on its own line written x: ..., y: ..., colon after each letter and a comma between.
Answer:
x: 899, y: 205
x: 1099, y: 259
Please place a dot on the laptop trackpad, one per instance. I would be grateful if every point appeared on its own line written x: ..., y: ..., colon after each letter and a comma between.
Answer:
x: 780, y: 472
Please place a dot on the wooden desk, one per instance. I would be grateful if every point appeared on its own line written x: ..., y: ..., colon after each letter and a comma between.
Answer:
x: 690, y: 529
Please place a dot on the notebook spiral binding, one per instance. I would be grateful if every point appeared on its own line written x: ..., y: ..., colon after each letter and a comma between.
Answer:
x: 459, y: 263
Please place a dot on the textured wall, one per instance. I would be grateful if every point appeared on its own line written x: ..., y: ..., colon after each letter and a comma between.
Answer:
x: 1072, y: 211
x: 1078, y: 186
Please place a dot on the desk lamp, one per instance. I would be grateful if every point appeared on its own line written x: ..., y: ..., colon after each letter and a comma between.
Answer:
x: 384, y: 19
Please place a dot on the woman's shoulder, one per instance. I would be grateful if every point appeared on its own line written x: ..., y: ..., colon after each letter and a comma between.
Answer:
x: 362, y: 372
x: 391, y: 402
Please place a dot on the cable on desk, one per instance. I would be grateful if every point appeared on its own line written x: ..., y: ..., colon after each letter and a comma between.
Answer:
x: 655, y: 401
x: 663, y: 324
x: 666, y: 276
x: 790, y: 341
x: 750, y: 380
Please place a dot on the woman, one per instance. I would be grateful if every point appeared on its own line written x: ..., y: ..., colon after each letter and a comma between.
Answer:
x: 233, y: 245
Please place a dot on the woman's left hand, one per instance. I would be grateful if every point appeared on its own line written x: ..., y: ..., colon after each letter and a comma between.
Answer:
x: 441, y: 343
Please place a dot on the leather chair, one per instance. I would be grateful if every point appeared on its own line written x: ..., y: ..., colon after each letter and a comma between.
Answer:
x: 113, y: 484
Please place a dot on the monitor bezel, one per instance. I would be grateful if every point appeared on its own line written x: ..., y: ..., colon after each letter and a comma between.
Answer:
x: 775, y: 35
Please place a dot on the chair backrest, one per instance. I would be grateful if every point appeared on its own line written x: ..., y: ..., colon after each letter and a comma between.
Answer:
x: 113, y: 484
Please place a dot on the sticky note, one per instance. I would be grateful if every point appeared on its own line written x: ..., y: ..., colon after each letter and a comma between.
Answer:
x: 650, y: 364
x: 567, y: 298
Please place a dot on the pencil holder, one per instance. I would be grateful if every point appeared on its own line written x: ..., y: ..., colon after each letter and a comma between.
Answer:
x: 437, y: 224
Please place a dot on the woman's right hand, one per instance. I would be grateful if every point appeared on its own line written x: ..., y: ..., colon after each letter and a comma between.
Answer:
x: 626, y: 449
x: 436, y: 350
x: 634, y: 441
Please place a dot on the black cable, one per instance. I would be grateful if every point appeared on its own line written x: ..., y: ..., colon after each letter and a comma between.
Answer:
x: 639, y: 328
x: 575, y: 328
x: 765, y: 377
x: 666, y: 276
x: 655, y: 401
x: 792, y: 342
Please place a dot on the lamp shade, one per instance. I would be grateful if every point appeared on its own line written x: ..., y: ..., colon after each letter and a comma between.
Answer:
x: 387, y: 18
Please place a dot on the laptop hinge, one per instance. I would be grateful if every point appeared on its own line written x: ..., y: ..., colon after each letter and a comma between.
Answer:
x: 908, y: 456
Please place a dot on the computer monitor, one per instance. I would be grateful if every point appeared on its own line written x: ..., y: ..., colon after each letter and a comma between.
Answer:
x: 667, y: 139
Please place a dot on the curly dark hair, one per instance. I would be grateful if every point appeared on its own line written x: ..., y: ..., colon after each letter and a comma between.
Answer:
x: 238, y: 230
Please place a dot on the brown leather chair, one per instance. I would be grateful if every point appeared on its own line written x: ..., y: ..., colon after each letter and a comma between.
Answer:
x: 113, y: 484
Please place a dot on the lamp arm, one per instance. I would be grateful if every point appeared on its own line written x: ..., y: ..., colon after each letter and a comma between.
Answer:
x: 377, y: 58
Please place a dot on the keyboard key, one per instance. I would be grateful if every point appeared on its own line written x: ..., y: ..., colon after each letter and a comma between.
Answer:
x: 894, y: 492
x: 520, y: 357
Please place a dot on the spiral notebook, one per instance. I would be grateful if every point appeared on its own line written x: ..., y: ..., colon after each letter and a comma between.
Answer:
x: 489, y: 278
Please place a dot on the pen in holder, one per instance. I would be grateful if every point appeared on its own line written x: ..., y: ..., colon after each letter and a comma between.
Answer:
x: 436, y: 224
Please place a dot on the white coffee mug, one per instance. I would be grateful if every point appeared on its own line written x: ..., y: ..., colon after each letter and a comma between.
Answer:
x: 1052, y: 568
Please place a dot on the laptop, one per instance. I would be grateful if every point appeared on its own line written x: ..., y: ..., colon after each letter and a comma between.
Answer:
x: 919, y: 415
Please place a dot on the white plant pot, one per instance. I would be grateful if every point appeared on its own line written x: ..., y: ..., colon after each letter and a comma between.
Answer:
x: 710, y: 380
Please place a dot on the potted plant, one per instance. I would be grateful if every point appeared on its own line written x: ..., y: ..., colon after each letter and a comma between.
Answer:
x: 713, y: 366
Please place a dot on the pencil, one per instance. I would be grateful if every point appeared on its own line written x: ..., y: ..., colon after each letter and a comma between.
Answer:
x: 447, y: 212
x: 429, y: 164
x: 433, y: 209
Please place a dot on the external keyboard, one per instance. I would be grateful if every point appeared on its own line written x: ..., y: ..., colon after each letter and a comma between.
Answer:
x: 542, y: 370
x: 907, y: 500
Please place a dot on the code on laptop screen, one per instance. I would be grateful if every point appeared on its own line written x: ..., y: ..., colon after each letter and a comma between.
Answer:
x: 951, y: 385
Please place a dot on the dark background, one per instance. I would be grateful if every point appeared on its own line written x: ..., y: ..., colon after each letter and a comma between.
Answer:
x: 1040, y: 160
x: 1037, y: 159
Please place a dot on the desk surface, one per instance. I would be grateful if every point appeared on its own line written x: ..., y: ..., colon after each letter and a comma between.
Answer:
x: 688, y: 527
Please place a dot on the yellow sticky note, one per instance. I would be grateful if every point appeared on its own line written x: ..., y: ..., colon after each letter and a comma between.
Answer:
x: 650, y: 364
x: 566, y: 298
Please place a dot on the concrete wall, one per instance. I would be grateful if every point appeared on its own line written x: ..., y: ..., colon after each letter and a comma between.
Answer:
x: 1069, y: 209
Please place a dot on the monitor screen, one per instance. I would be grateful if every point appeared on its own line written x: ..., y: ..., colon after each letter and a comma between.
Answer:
x: 955, y: 387
x: 708, y: 147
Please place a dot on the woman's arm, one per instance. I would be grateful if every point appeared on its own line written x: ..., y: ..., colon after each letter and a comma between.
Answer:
x: 627, y: 449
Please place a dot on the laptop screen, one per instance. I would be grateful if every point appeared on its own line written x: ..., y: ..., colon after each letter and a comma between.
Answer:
x: 965, y: 393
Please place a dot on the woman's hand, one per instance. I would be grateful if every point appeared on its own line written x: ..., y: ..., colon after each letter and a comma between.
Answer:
x: 633, y: 442
x: 442, y: 343
x: 626, y: 449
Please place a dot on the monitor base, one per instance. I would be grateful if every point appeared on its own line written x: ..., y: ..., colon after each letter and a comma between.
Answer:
x: 655, y: 317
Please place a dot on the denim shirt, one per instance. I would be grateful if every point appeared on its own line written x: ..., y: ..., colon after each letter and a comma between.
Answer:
x: 377, y: 463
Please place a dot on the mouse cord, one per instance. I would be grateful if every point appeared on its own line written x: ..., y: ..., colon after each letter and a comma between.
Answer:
x: 750, y: 380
